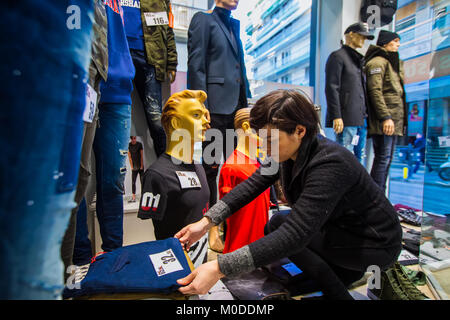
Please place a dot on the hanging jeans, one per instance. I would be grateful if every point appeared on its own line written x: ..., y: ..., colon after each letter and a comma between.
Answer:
x: 110, y: 151
x: 384, y: 147
x: 44, y: 66
x: 345, y: 139
x: 149, y: 91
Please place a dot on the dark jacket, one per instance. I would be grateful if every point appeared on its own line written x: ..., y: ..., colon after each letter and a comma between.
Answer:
x: 329, y: 192
x: 345, y: 87
x: 385, y: 89
x: 159, y: 40
x: 215, y: 65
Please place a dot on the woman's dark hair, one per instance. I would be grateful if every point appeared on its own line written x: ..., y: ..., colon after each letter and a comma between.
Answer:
x: 285, y: 109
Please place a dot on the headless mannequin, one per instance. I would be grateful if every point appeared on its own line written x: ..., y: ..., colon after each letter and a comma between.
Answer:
x: 353, y: 40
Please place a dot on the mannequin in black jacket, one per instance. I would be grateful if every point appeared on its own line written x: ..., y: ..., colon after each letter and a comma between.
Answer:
x: 346, y: 92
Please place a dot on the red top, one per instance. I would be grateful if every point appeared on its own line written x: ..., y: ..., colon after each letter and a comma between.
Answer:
x: 247, y: 224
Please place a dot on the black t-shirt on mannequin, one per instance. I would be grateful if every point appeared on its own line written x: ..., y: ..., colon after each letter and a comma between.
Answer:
x: 135, y: 151
x: 173, y: 196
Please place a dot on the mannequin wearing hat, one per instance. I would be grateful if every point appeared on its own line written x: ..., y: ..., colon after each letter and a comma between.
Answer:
x: 346, y: 92
x: 247, y: 224
x: 175, y: 191
x: 387, y: 107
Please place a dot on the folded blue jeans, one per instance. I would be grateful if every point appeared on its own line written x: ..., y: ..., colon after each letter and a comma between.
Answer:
x: 45, y: 59
x: 150, y: 267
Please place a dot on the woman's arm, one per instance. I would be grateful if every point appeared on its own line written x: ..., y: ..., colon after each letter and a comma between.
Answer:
x: 325, y: 184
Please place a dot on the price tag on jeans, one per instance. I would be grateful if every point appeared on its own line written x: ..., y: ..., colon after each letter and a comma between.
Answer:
x: 188, y: 179
x: 165, y: 262
x: 91, y: 104
x: 355, y: 140
x: 156, y: 18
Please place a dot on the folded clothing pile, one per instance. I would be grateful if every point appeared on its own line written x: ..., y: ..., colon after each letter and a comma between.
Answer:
x: 411, y: 240
x: 408, y: 215
x: 149, y: 267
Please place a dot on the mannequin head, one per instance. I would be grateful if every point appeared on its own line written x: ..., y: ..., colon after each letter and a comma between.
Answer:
x: 356, y: 34
x: 393, y: 45
x: 388, y: 40
x: 248, y: 140
x: 185, y: 110
x: 354, y: 40
x: 185, y: 120
x: 227, y: 4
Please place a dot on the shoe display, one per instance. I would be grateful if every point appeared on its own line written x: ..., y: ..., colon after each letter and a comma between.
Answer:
x: 405, y: 279
x: 389, y: 289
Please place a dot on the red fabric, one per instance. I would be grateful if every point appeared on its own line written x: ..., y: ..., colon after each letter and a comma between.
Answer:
x: 246, y: 225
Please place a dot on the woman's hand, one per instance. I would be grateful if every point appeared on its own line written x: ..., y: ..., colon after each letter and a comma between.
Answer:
x: 193, y: 232
x: 201, y: 279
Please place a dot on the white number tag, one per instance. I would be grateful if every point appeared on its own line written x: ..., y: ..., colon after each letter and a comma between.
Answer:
x: 156, y: 18
x: 165, y: 262
x: 91, y: 104
x: 188, y: 179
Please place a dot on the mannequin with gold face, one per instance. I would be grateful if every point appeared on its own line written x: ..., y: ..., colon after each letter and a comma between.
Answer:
x: 247, y: 224
x: 185, y: 120
x: 175, y: 191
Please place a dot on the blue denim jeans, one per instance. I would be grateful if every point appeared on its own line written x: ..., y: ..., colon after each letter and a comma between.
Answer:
x: 345, y: 138
x: 44, y: 73
x: 135, y: 268
x: 82, y: 253
x: 149, y: 91
x: 110, y: 150
x: 384, y: 147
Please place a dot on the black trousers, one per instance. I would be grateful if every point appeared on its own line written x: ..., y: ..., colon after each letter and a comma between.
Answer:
x: 334, y: 269
x: 134, y: 174
x: 222, y: 123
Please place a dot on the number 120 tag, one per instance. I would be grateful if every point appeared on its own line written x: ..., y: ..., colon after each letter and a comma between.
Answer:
x: 156, y: 18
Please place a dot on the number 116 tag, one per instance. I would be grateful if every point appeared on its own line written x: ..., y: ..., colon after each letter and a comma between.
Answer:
x: 156, y: 18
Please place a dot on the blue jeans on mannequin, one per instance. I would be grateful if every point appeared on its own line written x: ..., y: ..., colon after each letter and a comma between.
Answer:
x: 384, y: 147
x: 110, y: 150
x: 345, y: 139
x: 44, y: 71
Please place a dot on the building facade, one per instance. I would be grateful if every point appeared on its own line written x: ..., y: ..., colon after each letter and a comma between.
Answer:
x: 278, y: 43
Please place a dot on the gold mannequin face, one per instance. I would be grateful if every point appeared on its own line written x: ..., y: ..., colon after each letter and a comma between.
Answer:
x: 191, y: 115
